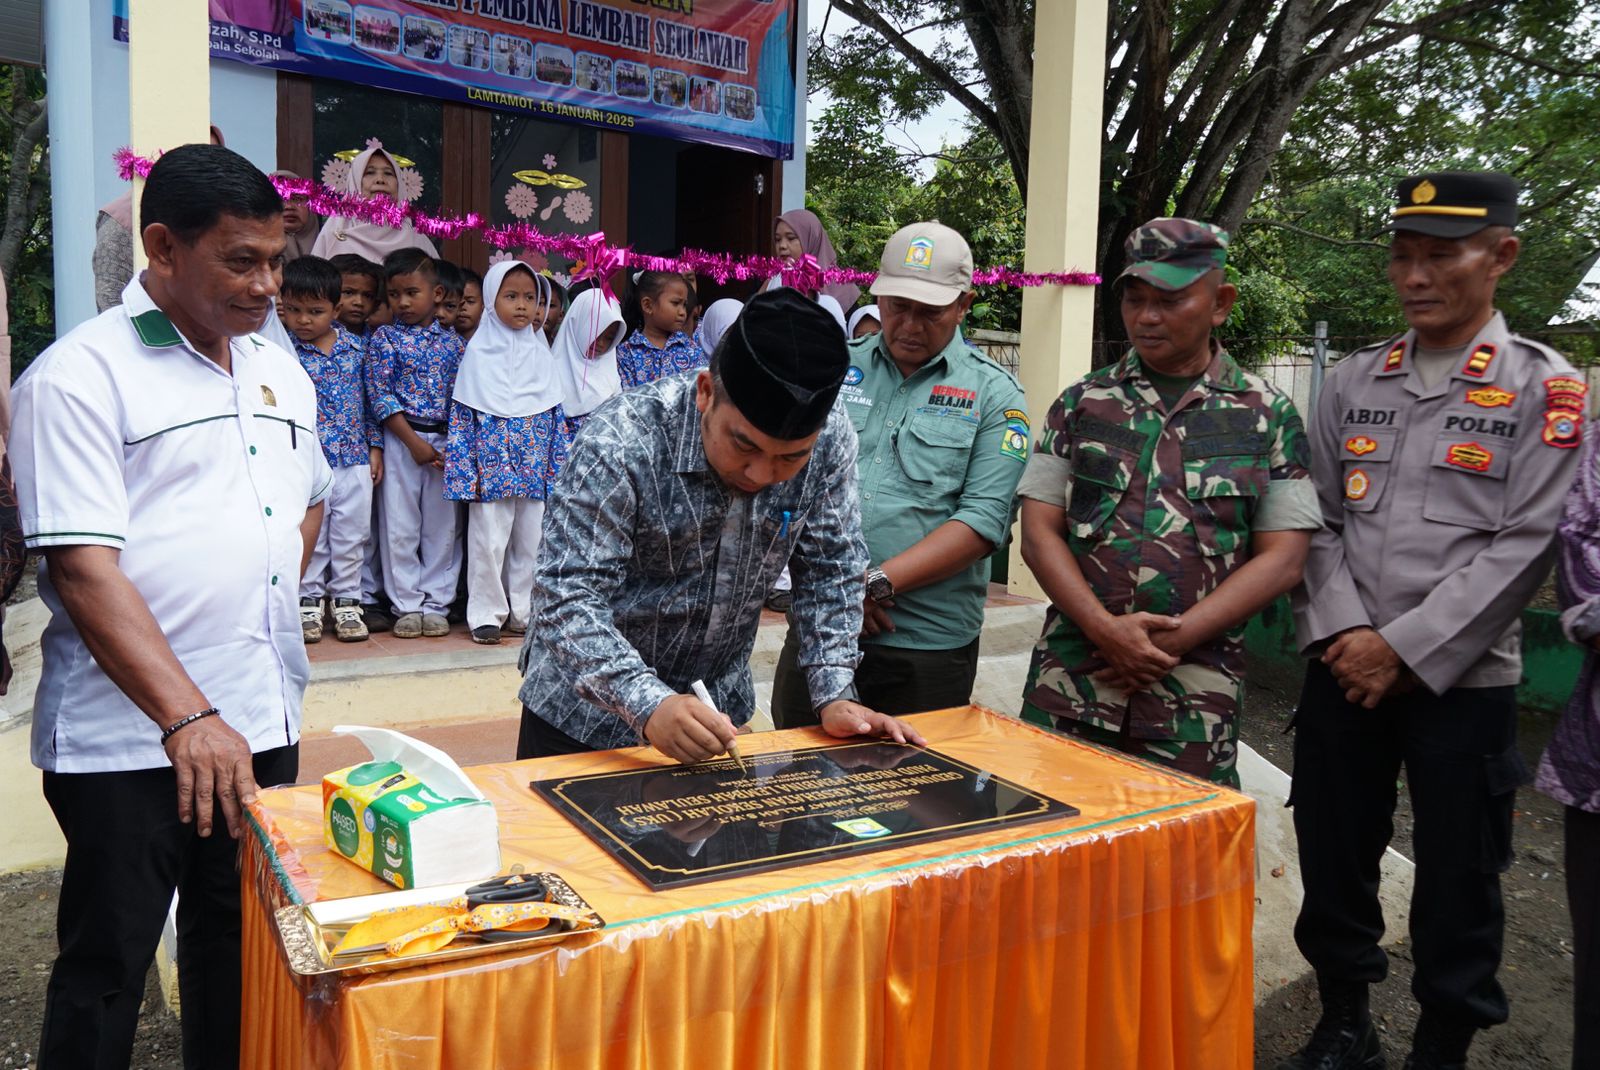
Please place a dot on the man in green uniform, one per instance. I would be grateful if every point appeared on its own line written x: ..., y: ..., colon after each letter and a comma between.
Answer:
x: 944, y: 439
x: 1167, y: 501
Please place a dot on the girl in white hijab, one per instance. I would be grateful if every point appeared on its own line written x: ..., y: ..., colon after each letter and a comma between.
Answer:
x: 372, y: 172
x: 586, y: 354
x: 507, y: 442
x: 718, y: 318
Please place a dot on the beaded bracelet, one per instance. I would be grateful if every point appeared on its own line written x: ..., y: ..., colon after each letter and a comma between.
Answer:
x: 189, y: 720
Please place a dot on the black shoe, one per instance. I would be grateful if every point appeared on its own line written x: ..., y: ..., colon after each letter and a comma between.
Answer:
x: 1439, y: 1044
x: 779, y: 601
x: 1344, y: 1038
x: 374, y: 617
x: 487, y: 634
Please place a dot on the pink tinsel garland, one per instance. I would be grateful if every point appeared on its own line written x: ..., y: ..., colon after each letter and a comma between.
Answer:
x: 599, y: 259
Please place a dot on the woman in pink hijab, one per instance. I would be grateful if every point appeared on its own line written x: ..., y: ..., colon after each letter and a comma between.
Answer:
x: 372, y: 172
x: 800, y: 232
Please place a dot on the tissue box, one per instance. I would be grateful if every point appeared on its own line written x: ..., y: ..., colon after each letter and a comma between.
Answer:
x: 410, y: 815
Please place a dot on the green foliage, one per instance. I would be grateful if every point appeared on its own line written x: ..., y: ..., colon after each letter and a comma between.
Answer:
x: 1429, y: 84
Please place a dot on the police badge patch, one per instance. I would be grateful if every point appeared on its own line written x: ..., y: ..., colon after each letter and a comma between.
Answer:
x: 1356, y: 485
x: 1562, y: 429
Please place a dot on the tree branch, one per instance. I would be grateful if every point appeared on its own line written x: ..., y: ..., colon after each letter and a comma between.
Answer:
x: 858, y: 10
x: 1357, y: 243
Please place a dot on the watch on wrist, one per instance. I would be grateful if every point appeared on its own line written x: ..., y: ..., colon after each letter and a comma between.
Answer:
x: 879, y: 587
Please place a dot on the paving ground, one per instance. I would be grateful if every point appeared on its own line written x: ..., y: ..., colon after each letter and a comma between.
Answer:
x: 1538, y: 963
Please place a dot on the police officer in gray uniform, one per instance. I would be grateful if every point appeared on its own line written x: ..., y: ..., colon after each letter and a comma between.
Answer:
x: 1441, y: 459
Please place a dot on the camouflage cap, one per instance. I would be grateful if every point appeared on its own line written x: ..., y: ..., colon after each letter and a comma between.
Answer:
x: 1172, y: 254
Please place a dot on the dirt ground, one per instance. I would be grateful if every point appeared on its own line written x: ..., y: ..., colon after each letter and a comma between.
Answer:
x: 1537, y: 968
x: 1537, y: 972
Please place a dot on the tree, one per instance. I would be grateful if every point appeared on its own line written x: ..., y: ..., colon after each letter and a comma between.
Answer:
x: 25, y: 255
x: 1200, y: 95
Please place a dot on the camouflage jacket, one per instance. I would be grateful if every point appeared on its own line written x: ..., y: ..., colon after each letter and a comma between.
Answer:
x: 1160, y: 511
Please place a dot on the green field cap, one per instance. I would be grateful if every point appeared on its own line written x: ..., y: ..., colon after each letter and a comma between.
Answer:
x: 1172, y: 254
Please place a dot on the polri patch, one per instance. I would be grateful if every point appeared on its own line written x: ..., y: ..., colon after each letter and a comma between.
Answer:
x: 1356, y: 485
x: 1491, y: 397
x: 1565, y: 392
x: 1469, y: 455
x: 1563, y: 429
x: 1360, y: 445
x: 1477, y: 365
x: 1014, y: 439
x: 268, y: 396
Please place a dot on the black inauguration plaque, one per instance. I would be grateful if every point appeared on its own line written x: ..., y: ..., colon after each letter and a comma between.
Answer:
x: 686, y: 824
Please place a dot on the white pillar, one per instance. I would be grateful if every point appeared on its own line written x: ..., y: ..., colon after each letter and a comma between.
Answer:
x: 169, y: 82
x: 794, y: 170
x: 1063, y: 209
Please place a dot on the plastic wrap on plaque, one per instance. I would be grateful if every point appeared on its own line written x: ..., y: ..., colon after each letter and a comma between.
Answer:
x: 685, y: 824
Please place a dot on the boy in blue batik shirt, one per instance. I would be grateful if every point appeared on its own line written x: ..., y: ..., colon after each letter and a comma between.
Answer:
x: 411, y: 372
x: 332, y: 357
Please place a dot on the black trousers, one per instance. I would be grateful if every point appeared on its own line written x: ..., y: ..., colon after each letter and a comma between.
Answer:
x: 538, y: 738
x: 1583, y: 899
x: 126, y: 854
x: 1460, y: 754
x: 890, y: 679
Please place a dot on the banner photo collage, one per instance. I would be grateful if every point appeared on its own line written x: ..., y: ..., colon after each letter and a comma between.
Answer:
x: 714, y: 71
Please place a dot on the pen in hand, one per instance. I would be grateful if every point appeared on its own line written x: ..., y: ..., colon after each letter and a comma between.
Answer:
x: 700, y: 692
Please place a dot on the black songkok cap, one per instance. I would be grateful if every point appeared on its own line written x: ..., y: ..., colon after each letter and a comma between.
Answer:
x: 782, y: 363
x: 1453, y: 204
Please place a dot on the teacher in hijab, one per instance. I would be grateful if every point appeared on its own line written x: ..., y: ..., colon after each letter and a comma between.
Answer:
x: 681, y: 502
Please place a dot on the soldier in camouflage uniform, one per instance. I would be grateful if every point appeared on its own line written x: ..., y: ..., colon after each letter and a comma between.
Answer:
x: 1165, y: 503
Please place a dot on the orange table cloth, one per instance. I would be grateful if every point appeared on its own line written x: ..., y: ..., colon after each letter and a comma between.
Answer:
x: 1118, y: 938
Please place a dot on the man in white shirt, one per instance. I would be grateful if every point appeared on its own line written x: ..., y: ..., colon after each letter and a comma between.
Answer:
x: 168, y: 470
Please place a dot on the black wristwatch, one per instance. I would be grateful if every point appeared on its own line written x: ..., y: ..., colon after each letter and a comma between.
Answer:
x: 879, y: 587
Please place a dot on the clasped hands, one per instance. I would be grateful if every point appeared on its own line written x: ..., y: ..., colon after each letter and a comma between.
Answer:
x: 1138, y: 648
x: 1367, y: 667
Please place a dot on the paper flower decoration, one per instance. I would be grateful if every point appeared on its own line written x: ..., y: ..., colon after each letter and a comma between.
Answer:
x: 549, y: 161
x: 374, y: 143
x: 521, y: 201
x: 336, y: 173
x: 534, y: 259
x: 410, y: 184
x: 577, y: 207
x: 500, y: 256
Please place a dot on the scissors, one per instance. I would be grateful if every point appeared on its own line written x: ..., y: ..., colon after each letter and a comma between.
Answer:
x: 481, y: 910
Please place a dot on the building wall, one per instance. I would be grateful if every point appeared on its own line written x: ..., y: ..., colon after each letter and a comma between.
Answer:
x: 88, y: 105
x: 89, y: 121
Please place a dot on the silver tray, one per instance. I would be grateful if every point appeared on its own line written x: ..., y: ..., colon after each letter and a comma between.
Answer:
x: 310, y: 932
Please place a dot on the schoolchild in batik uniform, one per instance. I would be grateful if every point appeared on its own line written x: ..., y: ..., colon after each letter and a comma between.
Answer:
x: 411, y: 372
x: 656, y: 308
x: 507, y: 442
x: 351, y: 442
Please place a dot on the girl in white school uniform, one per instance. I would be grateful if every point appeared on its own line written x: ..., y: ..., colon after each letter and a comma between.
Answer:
x: 507, y: 441
x: 586, y: 354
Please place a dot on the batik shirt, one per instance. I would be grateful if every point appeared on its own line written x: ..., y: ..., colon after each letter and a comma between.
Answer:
x: 412, y: 370
x: 652, y: 572
x: 344, y: 428
x: 492, y: 457
x: 1161, y: 503
x: 639, y: 362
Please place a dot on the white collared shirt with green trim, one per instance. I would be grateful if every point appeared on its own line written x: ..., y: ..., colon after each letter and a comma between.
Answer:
x: 125, y: 436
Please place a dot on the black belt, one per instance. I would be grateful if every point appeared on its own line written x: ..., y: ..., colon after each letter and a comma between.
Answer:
x: 428, y: 427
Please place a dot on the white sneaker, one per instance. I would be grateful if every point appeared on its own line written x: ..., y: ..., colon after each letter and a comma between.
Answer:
x: 311, y: 619
x: 348, y: 626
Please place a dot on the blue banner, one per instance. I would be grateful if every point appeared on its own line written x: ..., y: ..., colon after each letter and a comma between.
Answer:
x: 713, y: 71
